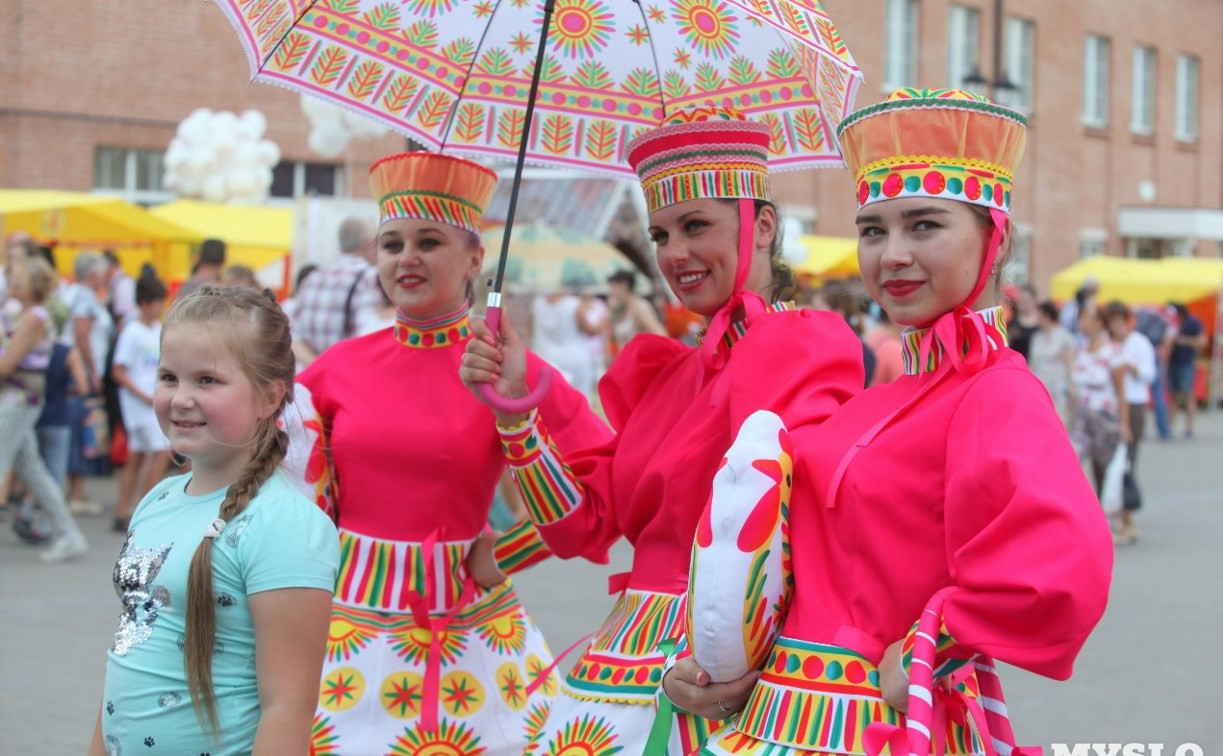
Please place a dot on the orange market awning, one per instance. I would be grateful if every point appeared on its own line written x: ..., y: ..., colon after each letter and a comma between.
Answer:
x: 829, y: 256
x: 75, y: 221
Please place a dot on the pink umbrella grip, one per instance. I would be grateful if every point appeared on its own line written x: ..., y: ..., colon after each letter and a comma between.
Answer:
x: 492, y: 316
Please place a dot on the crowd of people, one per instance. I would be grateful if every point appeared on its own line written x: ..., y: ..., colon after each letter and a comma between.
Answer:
x: 319, y: 574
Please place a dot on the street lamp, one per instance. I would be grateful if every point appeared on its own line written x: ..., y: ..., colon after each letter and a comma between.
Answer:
x: 1000, y: 89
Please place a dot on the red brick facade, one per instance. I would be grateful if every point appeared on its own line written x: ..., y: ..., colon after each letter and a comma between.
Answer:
x: 77, y: 75
x: 1074, y: 178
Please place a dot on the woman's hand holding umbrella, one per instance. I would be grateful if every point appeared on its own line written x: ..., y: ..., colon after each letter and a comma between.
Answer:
x: 499, y: 364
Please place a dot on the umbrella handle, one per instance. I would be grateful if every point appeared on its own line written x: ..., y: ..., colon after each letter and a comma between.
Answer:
x: 492, y: 317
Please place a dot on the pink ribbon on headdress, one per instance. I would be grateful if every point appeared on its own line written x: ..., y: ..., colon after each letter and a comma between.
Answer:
x: 749, y: 301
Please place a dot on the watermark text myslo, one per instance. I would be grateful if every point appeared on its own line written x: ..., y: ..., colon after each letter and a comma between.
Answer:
x: 1125, y: 749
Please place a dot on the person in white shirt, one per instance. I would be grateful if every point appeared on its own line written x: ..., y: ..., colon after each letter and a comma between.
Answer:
x: 1139, y: 364
x: 135, y: 368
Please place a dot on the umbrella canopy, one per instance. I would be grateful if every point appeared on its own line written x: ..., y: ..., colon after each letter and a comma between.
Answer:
x: 547, y: 259
x: 1140, y: 281
x: 74, y: 221
x: 254, y: 236
x: 829, y: 256
x: 455, y: 74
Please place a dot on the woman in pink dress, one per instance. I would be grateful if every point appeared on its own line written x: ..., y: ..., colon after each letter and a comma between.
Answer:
x: 418, y: 656
x: 675, y: 409
x: 957, y: 479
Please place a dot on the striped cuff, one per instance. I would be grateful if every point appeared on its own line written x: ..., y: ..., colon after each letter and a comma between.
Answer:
x: 949, y: 655
x: 548, y: 487
x: 520, y: 547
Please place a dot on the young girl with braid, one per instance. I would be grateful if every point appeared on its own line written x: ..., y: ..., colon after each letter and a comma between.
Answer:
x: 226, y: 576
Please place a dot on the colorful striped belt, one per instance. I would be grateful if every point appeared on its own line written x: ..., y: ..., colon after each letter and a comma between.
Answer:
x: 820, y: 697
x: 623, y: 663
x: 380, y: 574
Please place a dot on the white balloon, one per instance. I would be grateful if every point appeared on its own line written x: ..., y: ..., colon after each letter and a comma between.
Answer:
x: 221, y: 157
x: 268, y: 153
x: 328, y: 141
x: 213, y: 188
x: 241, y: 181
x: 363, y: 127
x: 253, y: 123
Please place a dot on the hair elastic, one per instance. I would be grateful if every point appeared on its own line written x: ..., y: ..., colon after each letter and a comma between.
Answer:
x: 214, y: 528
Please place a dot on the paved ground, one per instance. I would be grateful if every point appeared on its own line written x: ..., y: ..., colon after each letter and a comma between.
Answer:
x: 1152, y: 673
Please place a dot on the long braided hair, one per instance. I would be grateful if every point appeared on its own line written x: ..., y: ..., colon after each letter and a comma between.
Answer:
x: 256, y: 332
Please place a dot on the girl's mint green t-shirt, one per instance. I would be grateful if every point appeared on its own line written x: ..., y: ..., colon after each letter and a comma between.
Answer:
x: 282, y: 540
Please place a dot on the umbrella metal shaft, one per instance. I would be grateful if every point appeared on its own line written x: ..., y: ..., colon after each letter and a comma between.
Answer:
x: 549, y: 6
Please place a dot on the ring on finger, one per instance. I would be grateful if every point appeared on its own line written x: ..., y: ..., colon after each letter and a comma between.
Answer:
x: 722, y: 708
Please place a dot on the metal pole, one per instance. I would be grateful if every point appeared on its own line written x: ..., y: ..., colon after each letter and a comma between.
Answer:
x: 549, y: 6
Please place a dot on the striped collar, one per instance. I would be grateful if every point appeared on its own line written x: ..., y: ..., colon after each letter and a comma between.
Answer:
x: 738, y: 328
x: 431, y: 334
x: 910, y: 341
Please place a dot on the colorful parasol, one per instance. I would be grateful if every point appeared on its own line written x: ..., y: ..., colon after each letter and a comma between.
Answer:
x: 466, y: 76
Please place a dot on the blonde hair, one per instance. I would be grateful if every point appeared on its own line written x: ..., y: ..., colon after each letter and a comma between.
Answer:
x: 256, y: 332
x: 37, y: 275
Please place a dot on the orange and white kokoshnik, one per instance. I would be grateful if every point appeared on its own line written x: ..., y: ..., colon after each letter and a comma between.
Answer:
x: 739, y: 581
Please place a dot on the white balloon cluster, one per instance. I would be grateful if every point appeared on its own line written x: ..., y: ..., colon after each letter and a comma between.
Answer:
x: 221, y: 157
x: 333, y: 127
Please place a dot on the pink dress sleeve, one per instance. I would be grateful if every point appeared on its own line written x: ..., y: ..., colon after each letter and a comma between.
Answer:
x: 1028, y: 546
x: 568, y: 492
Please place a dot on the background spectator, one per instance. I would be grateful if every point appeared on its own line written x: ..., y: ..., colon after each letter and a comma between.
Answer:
x: 1157, y: 326
x: 1182, y: 366
x: 630, y: 314
x: 241, y: 275
x: 1023, y: 324
x: 1051, y: 358
x: 136, y: 357
x: 1138, y: 362
x: 1101, y: 418
x: 207, y: 268
x: 336, y: 299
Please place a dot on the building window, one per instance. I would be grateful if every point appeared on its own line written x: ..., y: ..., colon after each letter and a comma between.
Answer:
x: 1187, y: 98
x: 1142, y: 91
x: 963, y: 45
x: 134, y: 174
x: 301, y: 179
x: 1095, y: 81
x: 901, y: 55
x: 1020, y: 61
x: 1092, y: 242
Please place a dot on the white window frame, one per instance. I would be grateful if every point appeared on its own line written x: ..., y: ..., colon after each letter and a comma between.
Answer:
x: 1021, y: 61
x: 1096, y: 53
x: 131, y: 169
x: 900, y: 57
x: 1092, y: 242
x: 1188, y: 83
x: 1142, y: 90
x: 963, y: 44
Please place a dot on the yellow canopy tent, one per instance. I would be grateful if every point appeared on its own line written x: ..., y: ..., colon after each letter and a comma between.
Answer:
x: 254, y: 236
x: 829, y: 256
x: 1137, y: 282
x: 74, y: 221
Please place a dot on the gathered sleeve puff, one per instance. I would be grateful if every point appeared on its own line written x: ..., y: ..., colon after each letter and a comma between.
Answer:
x: 308, y: 463
x: 568, y: 492
x: 801, y: 364
x: 1028, y: 546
